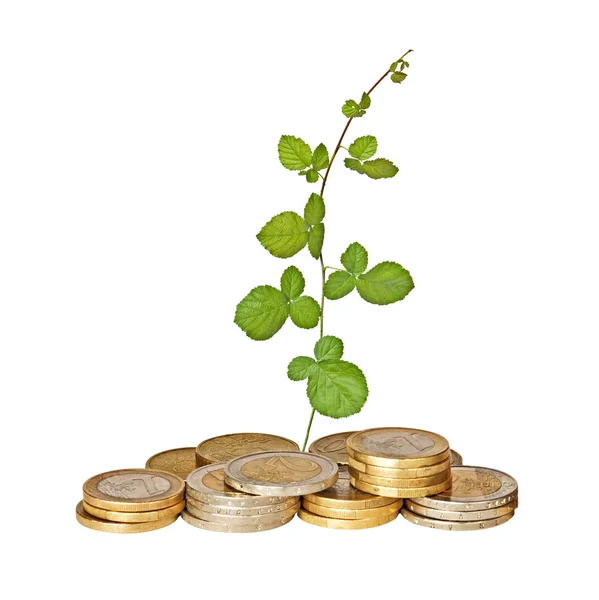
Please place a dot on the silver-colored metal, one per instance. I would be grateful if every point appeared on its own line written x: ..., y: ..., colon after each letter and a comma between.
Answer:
x: 236, y: 520
x: 454, y: 525
x: 456, y: 458
x: 456, y: 515
x: 226, y: 528
x: 250, y: 511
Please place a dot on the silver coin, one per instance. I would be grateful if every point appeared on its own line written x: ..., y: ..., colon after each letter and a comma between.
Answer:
x: 226, y: 528
x: 473, y: 488
x: 456, y: 515
x: 271, y: 509
x: 281, y: 473
x: 207, y: 484
x: 456, y: 458
x: 454, y: 525
x: 243, y: 519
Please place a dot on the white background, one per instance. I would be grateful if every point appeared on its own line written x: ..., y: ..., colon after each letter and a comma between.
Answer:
x: 138, y: 162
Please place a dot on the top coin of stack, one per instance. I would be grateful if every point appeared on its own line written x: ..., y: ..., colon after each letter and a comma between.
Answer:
x: 399, y: 462
x: 179, y: 461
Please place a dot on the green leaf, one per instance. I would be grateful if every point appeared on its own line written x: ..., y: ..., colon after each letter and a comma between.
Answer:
x: 316, y: 240
x: 398, y: 77
x: 262, y: 312
x: 328, y: 347
x: 352, y: 109
x: 312, y: 176
x: 337, y: 388
x: 404, y: 64
x: 379, y: 168
x: 314, y: 210
x: 354, y: 165
x: 305, y: 312
x: 363, y: 147
x: 393, y: 66
x: 294, y: 153
x: 355, y: 259
x: 320, y: 158
x: 284, y: 235
x: 339, y: 284
x: 292, y: 283
x: 365, y: 101
x: 301, y: 367
x: 386, y: 283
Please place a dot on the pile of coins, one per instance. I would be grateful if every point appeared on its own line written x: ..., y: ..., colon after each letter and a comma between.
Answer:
x: 131, y: 501
x: 479, y: 498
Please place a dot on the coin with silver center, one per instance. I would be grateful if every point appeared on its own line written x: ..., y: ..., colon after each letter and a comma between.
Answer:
x: 332, y: 446
x: 230, y: 528
x: 271, y: 509
x: 456, y: 515
x: 454, y: 525
x: 244, y: 519
x: 281, y: 473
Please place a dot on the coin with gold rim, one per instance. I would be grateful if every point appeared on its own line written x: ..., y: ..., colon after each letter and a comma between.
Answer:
x: 313, y: 519
x: 179, y: 461
x: 391, y: 492
x: 457, y: 515
x: 333, y: 446
x: 345, y: 513
x: 392, y: 473
x: 275, y: 518
x: 230, y: 528
x: 454, y: 525
x: 271, y: 509
x: 456, y: 458
x: 134, y: 517
x: 419, y: 482
x: 92, y: 522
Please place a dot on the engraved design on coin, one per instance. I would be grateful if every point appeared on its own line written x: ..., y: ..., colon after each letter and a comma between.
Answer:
x: 215, y: 480
x: 469, y: 484
x: 399, y: 444
x: 134, y: 486
x: 227, y: 447
x: 279, y: 469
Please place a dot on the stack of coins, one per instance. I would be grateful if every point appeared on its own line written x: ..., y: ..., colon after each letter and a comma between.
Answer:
x: 214, y: 506
x: 131, y: 501
x: 227, y: 447
x: 398, y: 462
x: 479, y: 498
x: 180, y: 461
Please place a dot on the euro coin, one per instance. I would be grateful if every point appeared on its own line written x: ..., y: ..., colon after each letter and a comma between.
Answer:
x: 133, y: 490
x: 230, y: 528
x: 392, y: 492
x: 454, y: 525
x: 397, y: 447
x: 394, y: 473
x: 281, y: 473
x: 276, y: 518
x: 332, y: 446
x: 224, y: 448
x: 419, y: 482
x: 348, y: 513
x: 243, y: 511
x: 474, y: 488
x: 92, y: 522
x: 313, y: 519
x: 180, y: 461
x: 134, y: 517
x: 456, y: 458
x: 455, y: 515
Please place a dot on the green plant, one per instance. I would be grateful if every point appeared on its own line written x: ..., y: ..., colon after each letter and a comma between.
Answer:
x: 336, y: 388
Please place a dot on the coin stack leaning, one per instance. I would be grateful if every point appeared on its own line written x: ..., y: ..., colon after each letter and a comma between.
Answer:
x: 399, y: 462
x: 479, y: 498
x: 131, y: 501
x: 214, y: 506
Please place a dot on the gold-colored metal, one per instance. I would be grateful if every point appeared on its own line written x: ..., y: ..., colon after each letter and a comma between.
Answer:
x: 473, y: 488
x: 392, y: 492
x: 456, y: 515
x: 134, y: 517
x: 332, y: 446
x: 281, y: 473
x: 235, y: 520
x: 397, y: 447
x: 179, y: 461
x: 393, y: 473
x: 313, y: 519
x: 224, y: 448
x: 134, y: 490
x: 230, y: 528
x: 347, y: 513
x: 419, y: 482
x: 456, y: 458
x: 454, y: 525
x: 271, y: 509
x: 92, y: 522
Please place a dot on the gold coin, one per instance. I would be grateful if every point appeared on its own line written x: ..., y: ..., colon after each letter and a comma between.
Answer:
x: 230, y: 528
x: 224, y: 448
x: 343, y: 495
x: 392, y: 492
x: 419, y: 482
x: 276, y: 518
x: 313, y: 519
x: 134, y: 490
x: 241, y: 510
x: 332, y: 446
x: 397, y: 447
x: 281, y: 473
x: 456, y: 458
x: 92, y: 522
x: 348, y: 513
x: 393, y: 473
x: 456, y: 515
x: 180, y: 461
x: 134, y: 517
x: 454, y: 525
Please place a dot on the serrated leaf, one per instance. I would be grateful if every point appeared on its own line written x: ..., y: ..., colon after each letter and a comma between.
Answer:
x: 294, y: 153
x: 363, y: 147
x: 292, y: 283
x: 312, y: 176
x: 365, y: 101
x: 398, y: 76
x: 262, y: 312
x: 328, y: 347
x: 305, y: 312
x: 320, y: 158
x: 314, y: 210
x: 379, y: 168
x: 385, y: 283
x: 354, y: 165
x: 352, y: 109
x: 337, y: 388
x: 284, y: 235
x: 316, y: 240
x: 339, y: 284
x: 301, y: 367
x: 355, y: 259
